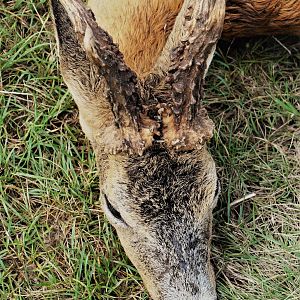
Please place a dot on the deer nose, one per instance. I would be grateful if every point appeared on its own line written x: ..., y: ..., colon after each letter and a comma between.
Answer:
x: 180, y: 291
x: 199, y: 297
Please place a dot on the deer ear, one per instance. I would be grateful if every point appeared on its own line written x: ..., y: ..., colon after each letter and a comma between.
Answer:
x: 106, y: 91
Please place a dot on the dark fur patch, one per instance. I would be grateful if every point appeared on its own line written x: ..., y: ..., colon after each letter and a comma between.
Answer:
x: 168, y: 193
x: 163, y: 184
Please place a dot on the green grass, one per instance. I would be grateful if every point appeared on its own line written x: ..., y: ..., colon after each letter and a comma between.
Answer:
x: 54, y: 241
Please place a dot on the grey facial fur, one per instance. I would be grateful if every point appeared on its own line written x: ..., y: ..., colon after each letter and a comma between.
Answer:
x: 166, y: 202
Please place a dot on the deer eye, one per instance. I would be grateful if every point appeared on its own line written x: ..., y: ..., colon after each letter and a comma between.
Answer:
x: 113, y: 214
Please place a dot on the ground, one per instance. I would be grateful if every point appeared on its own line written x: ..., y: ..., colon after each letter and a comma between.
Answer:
x: 55, y: 242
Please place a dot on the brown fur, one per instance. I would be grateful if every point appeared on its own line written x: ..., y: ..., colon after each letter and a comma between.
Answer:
x: 141, y: 41
x: 246, y: 18
x: 140, y: 27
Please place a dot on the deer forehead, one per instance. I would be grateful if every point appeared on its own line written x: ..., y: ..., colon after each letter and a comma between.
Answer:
x: 159, y: 185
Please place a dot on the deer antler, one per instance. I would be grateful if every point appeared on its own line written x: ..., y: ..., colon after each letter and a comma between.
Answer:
x: 183, y: 65
x: 112, y: 103
x: 84, y: 45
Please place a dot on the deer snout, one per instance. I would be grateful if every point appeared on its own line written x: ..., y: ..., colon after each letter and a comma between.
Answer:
x: 189, y: 293
x: 176, y: 285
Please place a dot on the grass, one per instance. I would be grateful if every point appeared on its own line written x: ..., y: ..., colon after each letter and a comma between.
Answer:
x: 54, y: 241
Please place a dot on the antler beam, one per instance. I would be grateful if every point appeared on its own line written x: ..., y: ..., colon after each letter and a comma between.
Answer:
x: 183, y: 65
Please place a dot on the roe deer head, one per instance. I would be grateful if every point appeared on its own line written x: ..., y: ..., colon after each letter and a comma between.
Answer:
x: 158, y: 181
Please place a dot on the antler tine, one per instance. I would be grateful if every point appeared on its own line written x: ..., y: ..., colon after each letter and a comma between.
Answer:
x: 104, y: 60
x: 183, y: 65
